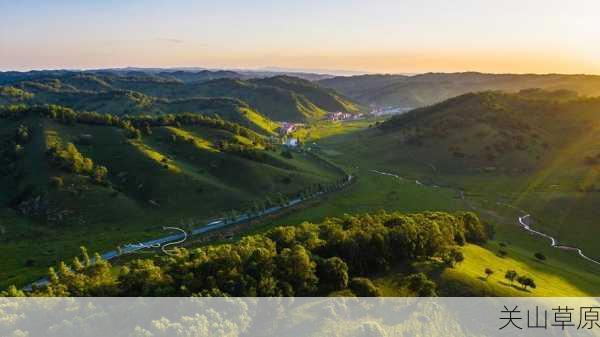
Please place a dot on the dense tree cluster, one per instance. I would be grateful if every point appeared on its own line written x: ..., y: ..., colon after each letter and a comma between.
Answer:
x: 12, y: 148
x: 243, y: 150
x: 196, y: 119
x: 309, y: 259
x: 524, y: 281
x: 15, y: 93
x: 70, y: 159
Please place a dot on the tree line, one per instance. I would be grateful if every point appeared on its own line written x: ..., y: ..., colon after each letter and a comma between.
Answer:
x: 306, y: 260
x: 133, y: 124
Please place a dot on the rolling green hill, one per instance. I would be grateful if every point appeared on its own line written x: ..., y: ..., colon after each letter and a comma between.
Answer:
x: 506, y: 151
x: 328, y: 100
x: 430, y: 177
x: 498, y: 131
x: 73, y: 178
x: 280, y: 98
x: 426, y: 89
x: 122, y: 102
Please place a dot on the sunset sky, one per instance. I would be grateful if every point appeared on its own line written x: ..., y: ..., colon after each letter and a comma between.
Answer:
x: 369, y: 36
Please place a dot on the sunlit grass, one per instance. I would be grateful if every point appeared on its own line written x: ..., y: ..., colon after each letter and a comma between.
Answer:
x: 155, y: 156
x: 198, y: 142
x: 552, y: 277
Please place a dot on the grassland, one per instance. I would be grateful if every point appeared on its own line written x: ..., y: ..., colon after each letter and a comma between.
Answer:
x: 360, y: 151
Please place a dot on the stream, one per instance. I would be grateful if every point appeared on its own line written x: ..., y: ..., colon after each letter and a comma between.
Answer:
x: 523, y: 222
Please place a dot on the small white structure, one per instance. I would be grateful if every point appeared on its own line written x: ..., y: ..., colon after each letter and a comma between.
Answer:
x: 291, y: 142
x: 389, y: 110
x: 339, y: 116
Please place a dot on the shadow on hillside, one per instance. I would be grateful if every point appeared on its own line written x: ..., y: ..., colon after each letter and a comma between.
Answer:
x: 514, y: 286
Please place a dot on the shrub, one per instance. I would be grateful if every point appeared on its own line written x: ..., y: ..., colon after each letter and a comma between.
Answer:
x: 421, y: 285
x: 99, y: 175
x: 18, y: 151
x: 56, y: 182
x: 364, y: 287
x: 540, y: 256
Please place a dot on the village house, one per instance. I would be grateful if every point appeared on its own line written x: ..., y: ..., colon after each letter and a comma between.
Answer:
x: 339, y: 116
x: 291, y: 142
x: 286, y: 128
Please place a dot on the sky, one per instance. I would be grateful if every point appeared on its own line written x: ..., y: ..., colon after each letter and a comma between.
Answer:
x: 377, y: 36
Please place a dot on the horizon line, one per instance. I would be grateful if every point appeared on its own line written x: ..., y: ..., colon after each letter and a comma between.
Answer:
x: 275, y: 69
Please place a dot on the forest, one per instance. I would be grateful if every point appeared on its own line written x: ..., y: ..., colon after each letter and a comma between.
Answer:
x: 311, y: 259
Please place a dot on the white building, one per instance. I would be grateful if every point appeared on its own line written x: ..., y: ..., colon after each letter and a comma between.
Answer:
x: 291, y: 142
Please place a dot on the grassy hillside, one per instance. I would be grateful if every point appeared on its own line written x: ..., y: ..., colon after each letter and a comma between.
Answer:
x: 430, y: 179
x: 280, y: 98
x: 67, y: 182
x: 123, y: 102
x: 328, y: 100
x: 504, y: 150
x: 421, y: 90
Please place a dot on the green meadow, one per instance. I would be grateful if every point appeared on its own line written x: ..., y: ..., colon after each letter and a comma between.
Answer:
x: 360, y: 151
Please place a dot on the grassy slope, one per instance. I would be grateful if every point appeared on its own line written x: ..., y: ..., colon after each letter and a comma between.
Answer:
x: 563, y: 274
x: 545, y: 181
x: 328, y: 100
x: 159, y: 182
x: 120, y: 102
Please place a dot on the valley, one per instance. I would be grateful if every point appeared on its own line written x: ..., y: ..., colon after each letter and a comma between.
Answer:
x: 108, y: 160
x: 418, y: 189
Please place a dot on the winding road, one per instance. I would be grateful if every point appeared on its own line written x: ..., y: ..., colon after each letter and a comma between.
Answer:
x: 209, y: 227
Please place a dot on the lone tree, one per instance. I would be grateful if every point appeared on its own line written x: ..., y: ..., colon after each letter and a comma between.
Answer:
x: 540, y: 256
x: 511, y: 275
x: 488, y: 272
x: 526, y: 282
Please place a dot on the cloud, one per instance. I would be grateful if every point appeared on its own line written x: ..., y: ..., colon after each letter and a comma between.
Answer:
x: 169, y: 40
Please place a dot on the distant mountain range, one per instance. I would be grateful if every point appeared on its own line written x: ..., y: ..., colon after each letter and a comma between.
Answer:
x: 189, y: 74
x: 426, y: 89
